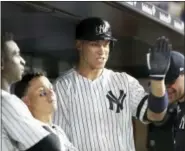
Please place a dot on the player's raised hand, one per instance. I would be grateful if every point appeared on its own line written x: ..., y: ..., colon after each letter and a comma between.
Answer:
x: 158, y: 58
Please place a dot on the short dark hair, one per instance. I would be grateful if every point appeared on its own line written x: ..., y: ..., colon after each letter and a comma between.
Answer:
x: 7, y: 36
x: 20, y: 87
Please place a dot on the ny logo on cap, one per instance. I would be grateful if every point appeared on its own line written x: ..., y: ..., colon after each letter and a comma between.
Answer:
x: 101, y: 29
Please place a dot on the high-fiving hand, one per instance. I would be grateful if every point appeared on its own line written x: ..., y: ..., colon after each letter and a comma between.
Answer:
x: 158, y: 59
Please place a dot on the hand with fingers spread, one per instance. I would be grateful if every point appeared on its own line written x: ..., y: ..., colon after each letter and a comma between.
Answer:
x: 158, y: 59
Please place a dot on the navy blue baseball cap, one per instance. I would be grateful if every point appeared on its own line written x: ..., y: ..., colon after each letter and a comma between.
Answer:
x: 176, y: 67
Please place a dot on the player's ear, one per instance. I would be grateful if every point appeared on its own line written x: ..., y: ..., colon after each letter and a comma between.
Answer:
x: 26, y: 100
x: 78, y: 44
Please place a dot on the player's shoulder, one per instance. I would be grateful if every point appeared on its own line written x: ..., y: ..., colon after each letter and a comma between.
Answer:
x: 111, y: 72
x: 16, y: 104
x: 8, y: 96
x: 118, y: 74
x: 121, y: 76
x: 65, y: 76
x: 5, y: 95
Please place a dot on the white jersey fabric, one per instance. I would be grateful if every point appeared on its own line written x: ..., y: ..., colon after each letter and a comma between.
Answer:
x: 64, y: 141
x: 20, y: 130
x: 7, y: 143
x: 97, y: 115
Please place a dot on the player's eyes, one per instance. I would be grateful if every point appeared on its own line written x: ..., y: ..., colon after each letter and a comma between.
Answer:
x: 95, y: 44
x: 43, y: 93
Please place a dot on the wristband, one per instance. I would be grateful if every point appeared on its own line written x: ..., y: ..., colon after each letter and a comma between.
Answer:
x: 157, y: 104
x: 157, y: 77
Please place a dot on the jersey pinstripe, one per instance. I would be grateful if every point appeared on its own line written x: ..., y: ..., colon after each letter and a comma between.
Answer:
x: 97, y: 115
x: 18, y: 124
x: 7, y: 143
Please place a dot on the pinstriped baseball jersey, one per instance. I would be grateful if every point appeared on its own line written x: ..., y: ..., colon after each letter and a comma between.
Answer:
x: 18, y: 124
x: 97, y: 115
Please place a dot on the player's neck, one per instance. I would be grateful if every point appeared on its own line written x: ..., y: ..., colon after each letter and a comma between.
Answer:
x: 45, y: 118
x: 5, y: 85
x: 88, y: 73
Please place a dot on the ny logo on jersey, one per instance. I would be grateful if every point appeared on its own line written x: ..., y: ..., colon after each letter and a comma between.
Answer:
x: 118, y: 101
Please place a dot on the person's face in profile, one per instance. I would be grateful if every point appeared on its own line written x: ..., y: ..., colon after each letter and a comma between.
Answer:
x: 12, y: 64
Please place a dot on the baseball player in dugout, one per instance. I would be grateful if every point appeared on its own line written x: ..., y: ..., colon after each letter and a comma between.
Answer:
x: 37, y: 93
x: 19, y: 130
x: 96, y: 104
x: 169, y: 134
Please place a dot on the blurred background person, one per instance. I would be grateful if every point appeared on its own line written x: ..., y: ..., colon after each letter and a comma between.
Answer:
x: 175, y: 8
x: 170, y: 134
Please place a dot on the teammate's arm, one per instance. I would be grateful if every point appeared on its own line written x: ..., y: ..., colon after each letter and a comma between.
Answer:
x: 157, y: 101
x: 48, y: 143
x: 152, y: 107
x: 138, y: 99
x: 171, y: 114
x: 158, y: 61
x: 23, y: 128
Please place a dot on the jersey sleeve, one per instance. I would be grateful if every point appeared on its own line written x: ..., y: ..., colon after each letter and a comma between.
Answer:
x: 19, y: 123
x: 61, y: 115
x: 138, y: 99
x: 7, y: 144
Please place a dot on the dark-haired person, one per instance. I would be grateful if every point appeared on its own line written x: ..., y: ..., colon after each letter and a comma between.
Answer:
x: 37, y: 93
x: 20, y: 130
x: 169, y: 134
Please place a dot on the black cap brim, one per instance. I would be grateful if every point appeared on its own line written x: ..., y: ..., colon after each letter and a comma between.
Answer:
x: 98, y: 37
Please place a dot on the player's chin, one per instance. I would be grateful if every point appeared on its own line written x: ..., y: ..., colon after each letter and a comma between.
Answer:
x: 54, y: 104
x: 100, y: 66
x: 50, y: 107
x: 54, y: 107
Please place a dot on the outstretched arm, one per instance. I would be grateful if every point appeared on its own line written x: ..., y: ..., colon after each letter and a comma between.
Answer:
x: 158, y: 61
